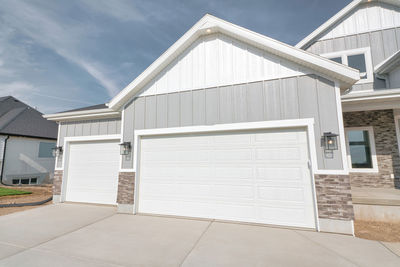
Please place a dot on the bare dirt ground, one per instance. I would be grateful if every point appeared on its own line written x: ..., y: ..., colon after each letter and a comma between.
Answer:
x: 381, y: 231
x: 39, y: 193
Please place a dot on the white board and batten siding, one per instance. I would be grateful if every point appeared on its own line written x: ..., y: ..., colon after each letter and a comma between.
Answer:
x: 258, y: 176
x: 366, y: 18
x: 218, y: 60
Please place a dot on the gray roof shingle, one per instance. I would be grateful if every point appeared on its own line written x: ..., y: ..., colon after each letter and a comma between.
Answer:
x: 17, y: 118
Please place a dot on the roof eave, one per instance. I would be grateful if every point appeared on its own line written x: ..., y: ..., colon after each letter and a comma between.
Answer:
x: 84, y: 114
x: 388, y: 64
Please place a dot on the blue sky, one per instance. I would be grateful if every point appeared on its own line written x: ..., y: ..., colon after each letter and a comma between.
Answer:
x: 58, y: 55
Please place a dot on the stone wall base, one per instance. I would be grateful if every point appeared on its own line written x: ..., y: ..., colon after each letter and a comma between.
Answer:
x: 334, y: 198
x: 57, y: 182
x: 126, y: 188
x: 336, y: 226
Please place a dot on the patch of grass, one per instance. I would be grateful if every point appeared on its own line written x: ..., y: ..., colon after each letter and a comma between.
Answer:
x: 12, y: 192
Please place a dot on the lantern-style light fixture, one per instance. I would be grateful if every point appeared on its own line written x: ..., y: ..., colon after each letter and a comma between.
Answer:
x: 58, y: 150
x: 329, y: 141
x: 125, y: 148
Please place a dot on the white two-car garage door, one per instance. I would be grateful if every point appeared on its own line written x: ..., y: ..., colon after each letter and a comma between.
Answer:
x: 93, y: 172
x: 250, y: 176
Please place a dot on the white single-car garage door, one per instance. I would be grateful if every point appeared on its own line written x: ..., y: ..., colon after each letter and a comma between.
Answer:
x: 250, y: 176
x: 93, y: 172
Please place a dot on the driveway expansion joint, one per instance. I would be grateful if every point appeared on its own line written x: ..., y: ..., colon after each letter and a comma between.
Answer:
x: 197, y: 241
x: 388, y: 248
x: 327, y: 248
x: 58, y: 236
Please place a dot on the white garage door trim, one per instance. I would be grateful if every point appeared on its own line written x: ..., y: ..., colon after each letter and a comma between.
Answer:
x: 66, y: 147
x: 306, y: 123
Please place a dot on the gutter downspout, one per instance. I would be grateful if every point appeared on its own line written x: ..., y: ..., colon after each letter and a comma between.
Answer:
x: 4, y: 159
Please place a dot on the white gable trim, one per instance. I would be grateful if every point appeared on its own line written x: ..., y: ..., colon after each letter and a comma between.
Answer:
x: 341, y: 14
x: 209, y: 24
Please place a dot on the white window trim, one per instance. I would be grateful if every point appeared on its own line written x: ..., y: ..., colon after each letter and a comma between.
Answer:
x: 371, y: 135
x: 368, y: 61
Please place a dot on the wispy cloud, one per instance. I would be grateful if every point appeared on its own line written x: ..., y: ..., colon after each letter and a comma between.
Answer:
x: 61, y: 37
x: 123, y: 10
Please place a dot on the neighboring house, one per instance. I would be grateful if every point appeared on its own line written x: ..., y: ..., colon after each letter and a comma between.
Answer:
x: 365, y: 35
x: 226, y: 124
x: 26, y: 142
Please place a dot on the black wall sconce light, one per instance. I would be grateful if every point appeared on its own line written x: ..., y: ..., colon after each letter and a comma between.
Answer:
x: 329, y: 141
x: 58, y: 150
x: 125, y: 148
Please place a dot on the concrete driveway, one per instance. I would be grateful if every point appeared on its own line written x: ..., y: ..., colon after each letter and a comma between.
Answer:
x: 85, y: 235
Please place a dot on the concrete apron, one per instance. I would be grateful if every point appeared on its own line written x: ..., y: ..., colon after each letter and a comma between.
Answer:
x: 79, y: 235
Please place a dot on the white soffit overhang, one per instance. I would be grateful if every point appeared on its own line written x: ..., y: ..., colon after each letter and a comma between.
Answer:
x: 346, y: 76
x: 341, y: 14
x: 83, y: 114
x: 372, y: 95
x: 374, y: 100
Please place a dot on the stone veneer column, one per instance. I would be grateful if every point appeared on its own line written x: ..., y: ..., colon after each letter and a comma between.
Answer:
x: 126, y: 192
x: 57, y: 181
x: 335, y: 205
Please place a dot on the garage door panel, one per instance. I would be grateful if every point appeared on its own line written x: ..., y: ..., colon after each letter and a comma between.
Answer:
x: 287, y: 175
x: 281, y: 194
x: 162, y: 171
x: 252, y: 176
x: 93, y: 172
x: 176, y: 155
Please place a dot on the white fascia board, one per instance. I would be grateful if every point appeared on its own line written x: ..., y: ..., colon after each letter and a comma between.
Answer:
x: 303, y: 43
x: 84, y: 114
x: 388, y: 64
x: 209, y: 24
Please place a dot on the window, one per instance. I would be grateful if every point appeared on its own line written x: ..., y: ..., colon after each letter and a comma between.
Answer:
x: 25, y: 181
x: 45, y: 150
x: 358, y: 62
x: 359, y: 59
x: 361, y: 149
x: 337, y: 59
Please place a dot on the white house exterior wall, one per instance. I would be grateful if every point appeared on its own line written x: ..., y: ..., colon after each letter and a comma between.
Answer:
x: 22, y: 160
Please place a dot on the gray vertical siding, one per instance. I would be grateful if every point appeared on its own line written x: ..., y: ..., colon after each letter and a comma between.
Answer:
x: 383, y: 43
x: 291, y: 98
x: 88, y: 128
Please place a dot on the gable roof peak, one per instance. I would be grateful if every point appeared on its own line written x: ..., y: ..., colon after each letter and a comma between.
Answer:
x: 209, y: 24
x: 304, y: 43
